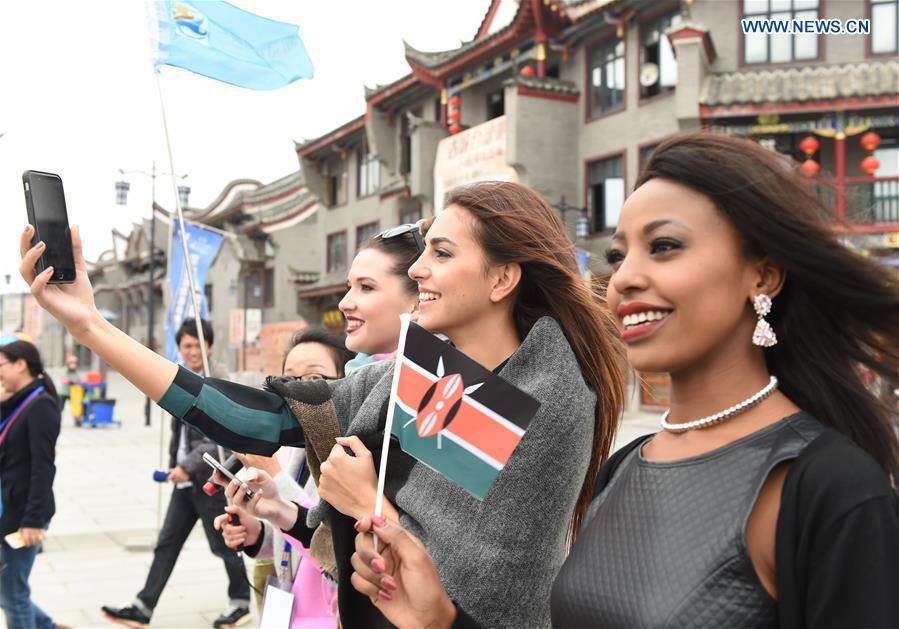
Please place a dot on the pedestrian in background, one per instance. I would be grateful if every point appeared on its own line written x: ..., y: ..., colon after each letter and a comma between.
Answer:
x: 29, y: 427
x: 69, y: 379
x: 188, y: 472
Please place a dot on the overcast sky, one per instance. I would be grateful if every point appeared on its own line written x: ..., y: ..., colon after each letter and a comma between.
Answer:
x: 79, y: 99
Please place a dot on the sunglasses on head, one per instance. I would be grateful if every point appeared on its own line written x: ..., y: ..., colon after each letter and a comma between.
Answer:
x: 414, y: 229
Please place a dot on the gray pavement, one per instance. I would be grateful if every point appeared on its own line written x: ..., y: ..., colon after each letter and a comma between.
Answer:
x: 99, y: 546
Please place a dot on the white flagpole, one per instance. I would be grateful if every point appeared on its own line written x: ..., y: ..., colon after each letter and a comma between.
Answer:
x: 405, y: 318
x: 188, y: 265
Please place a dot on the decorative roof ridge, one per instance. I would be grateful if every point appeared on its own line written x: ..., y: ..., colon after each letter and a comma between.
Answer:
x: 291, y: 180
x: 306, y: 147
x: 807, y: 83
x: 546, y: 84
x: 818, y: 68
x: 432, y: 60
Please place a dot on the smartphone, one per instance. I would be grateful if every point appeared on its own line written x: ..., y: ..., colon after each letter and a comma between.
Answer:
x: 213, y: 462
x: 15, y: 540
x: 46, y: 205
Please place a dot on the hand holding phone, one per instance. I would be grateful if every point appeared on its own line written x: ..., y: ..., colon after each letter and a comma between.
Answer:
x: 214, y: 463
x: 46, y: 204
x: 15, y: 540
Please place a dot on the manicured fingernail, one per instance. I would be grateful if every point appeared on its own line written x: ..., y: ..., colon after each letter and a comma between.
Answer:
x: 385, y: 595
x: 378, y: 521
x: 357, y: 526
x: 388, y: 584
x: 378, y: 566
x: 48, y: 270
x: 41, y: 245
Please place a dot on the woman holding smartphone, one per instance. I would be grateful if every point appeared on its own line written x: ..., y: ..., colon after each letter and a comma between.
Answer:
x: 29, y: 427
x: 766, y: 499
x: 500, y: 279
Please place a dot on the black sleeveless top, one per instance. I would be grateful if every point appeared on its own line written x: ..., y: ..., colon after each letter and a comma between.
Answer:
x: 664, y: 543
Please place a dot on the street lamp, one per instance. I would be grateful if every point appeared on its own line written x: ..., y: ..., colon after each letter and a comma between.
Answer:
x: 121, y: 198
x: 582, y: 224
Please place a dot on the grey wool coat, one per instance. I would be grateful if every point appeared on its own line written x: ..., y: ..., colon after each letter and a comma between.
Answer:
x: 497, y: 558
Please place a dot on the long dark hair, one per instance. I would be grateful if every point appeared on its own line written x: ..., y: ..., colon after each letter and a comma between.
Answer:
x: 516, y: 225
x: 23, y: 350
x: 334, y: 342
x: 404, y: 250
x: 837, y: 310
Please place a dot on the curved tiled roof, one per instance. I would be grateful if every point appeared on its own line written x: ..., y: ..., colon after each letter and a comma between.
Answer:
x: 545, y: 84
x: 823, y: 82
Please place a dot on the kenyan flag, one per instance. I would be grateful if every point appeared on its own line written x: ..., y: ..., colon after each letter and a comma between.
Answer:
x: 452, y: 414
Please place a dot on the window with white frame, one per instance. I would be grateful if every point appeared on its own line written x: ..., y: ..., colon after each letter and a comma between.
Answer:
x: 761, y: 47
x: 885, y: 27
x: 607, y: 77
x: 605, y: 180
x: 365, y: 232
x: 658, y: 67
x: 335, y: 185
x: 369, y: 174
x: 336, y: 252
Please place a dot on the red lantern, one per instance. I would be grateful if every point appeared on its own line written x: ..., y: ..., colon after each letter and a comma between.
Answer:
x: 455, y: 101
x: 527, y: 71
x: 870, y: 165
x: 455, y: 115
x: 455, y: 127
x: 870, y: 141
x: 810, y: 168
x: 809, y: 145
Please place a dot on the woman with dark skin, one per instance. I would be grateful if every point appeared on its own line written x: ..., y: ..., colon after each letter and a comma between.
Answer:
x: 766, y: 500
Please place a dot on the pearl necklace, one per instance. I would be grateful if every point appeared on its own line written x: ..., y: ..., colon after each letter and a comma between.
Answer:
x: 705, y: 422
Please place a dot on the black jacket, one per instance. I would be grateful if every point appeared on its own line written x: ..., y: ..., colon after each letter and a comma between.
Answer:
x: 27, y: 461
x: 198, y: 470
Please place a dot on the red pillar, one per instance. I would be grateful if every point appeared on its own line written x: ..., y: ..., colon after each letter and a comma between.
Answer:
x: 839, y: 166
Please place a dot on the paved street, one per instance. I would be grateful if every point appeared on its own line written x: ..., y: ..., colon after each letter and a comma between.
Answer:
x: 99, y: 546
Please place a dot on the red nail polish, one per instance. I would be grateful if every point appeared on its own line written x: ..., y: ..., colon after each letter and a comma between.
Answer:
x: 388, y: 584
x: 385, y: 595
x: 378, y: 521
x: 378, y: 566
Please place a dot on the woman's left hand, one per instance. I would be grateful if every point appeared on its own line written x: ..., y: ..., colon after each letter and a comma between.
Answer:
x: 348, y: 482
x: 32, y: 536
x: 269, y: 464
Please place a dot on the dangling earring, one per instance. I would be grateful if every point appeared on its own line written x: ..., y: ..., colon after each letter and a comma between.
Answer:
x: 763, y: 336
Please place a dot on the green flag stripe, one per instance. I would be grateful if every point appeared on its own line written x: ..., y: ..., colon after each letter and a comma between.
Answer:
x: 452, y: 460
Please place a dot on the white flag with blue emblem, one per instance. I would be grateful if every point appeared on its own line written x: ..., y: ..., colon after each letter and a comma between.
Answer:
x: 222, y: 42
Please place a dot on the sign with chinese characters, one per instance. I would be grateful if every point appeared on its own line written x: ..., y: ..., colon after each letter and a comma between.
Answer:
x: 476, y: 154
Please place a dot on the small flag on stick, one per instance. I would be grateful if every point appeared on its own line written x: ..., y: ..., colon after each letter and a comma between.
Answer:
x: 452, y: 414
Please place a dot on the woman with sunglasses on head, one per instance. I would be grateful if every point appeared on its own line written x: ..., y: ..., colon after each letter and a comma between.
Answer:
x: 379, y: 289
x: 500, y: 279
x: 766, y: 499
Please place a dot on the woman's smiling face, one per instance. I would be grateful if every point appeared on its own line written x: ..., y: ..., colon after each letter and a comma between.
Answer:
x: 453, y: 277
x: 680, y: 283
x: 376, y: 298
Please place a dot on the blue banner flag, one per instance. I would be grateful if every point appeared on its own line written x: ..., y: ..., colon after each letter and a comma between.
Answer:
x: 202, y: 245
x: 228, y: 44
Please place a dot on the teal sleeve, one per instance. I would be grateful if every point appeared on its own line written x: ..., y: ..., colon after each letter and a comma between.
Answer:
x: 238, y: 417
